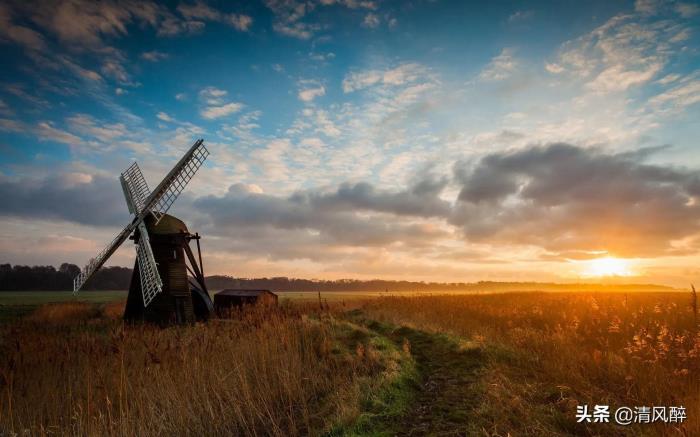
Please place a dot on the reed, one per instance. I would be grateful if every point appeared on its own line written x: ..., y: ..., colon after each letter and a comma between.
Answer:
x: 70, y: 370
x: 552, y: 351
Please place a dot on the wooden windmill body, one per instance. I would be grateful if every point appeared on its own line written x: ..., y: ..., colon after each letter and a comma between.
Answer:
x: 184, y: 297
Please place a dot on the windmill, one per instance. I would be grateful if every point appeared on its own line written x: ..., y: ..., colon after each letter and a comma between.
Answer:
x: 160, y: 289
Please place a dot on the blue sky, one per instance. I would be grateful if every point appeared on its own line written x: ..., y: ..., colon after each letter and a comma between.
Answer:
x: 347, y: 136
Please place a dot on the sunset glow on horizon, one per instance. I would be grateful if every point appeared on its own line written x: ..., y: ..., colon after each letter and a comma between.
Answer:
x: 426, y: 140
x: 607, y: 267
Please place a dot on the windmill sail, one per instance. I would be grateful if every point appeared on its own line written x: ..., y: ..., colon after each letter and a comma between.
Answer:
x: 135, y: 188
x: 151, y: 284
x: 162, y: 198
x: 97, y: 262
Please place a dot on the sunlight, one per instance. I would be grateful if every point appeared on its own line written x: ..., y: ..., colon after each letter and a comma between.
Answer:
x: 607, y: 266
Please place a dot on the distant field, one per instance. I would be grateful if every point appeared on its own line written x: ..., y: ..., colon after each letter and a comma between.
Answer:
x: 42, y: 297
x: 15, y: 304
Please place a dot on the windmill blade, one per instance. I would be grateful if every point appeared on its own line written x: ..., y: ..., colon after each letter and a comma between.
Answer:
x: 151, y: 284
x: 97, y: 262
x: 162, y: 198
x: 135, y: 188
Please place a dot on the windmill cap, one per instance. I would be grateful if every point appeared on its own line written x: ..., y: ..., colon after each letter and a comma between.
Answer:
x: 167, y: 225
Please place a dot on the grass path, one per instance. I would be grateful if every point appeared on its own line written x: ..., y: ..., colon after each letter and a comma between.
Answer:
x: 447, y: 389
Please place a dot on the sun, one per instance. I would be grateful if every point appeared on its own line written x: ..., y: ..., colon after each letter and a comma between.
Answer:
x: 607, y: 266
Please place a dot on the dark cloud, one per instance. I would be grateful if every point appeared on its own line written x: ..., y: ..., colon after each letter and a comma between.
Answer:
x: 333, y: 218
x: 72, y: 197
x: 562, y: 198
x: 420, y: 199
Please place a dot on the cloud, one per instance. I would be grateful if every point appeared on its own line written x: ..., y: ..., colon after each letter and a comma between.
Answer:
x: 289, y: 15
x: 17, y: 34
x: 648, y: 7
x: 684, y: 93
x: 212, y: 95
x: 202, y: 11
x: 105, y: 132
x: 216, y: 104
x: 333, y: 218
x: 501, y: 67
x: 296, y: 30
x: 74, y: 197
x: 240, y: 22
x: 371, y: 20
x: 553, y: 68
x: 154, y: 56
x: 687, y: 10
x: 519, y: 16
x: 307, y: 95
x: 561, y: 198
x: 421, y: 199
x: 47, y: 131
x: 171, y: 26
x: 5, y: 109
x: 86, y: 23
x: 19, y: 90
x: 619, y: 78
x: 89, y: 25
x: 351, y: 4
x: 400, y: 75
x: 626, y: 51
x: 8, y: 125
x: 165, y: 117
x: 116, y: 70
x: 213, y: 112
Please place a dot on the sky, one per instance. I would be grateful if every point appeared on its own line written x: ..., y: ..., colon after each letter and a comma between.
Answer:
x: 418, y: 140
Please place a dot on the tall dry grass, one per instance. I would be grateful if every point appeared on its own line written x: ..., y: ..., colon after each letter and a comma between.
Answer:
x: 551, y: 352
x: 67, y: 370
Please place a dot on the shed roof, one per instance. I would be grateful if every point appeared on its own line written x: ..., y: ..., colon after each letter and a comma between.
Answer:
x: 243, y: 293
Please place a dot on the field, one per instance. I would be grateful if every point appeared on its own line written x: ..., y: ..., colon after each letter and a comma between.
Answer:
x: 492, y: 364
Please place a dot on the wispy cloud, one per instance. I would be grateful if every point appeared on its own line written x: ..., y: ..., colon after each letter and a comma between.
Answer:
x: 501, y: 66
x: 202, y: 11
x: 371, y: 20
x: 400, y: 75
x: 216, y: 106
x: 310, y: 90
x: 164, y: 117
x: 154, y: 56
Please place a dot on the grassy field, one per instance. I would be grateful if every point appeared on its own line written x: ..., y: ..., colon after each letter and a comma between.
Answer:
x: 496, y: 365
x: 42, y: 297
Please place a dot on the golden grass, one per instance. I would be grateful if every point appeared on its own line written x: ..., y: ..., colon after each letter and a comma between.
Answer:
x: 64, y: 313
x: 551, y: 352
x: 268, y: 372
x: 76, y: 369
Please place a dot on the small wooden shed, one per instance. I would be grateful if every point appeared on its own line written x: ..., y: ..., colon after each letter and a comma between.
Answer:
x: 230, y: 298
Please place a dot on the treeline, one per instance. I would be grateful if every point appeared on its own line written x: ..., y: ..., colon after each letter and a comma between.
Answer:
x: 19, y: 278
x: 292, y: 284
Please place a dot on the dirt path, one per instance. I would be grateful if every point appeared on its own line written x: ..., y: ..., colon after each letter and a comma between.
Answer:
x: 448, y: 390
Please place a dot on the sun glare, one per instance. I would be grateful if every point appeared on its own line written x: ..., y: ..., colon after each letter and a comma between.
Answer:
x: 607, y: 266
